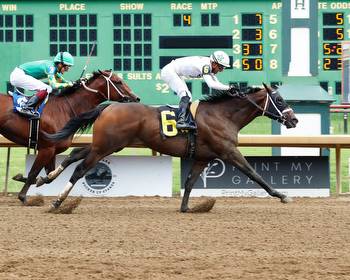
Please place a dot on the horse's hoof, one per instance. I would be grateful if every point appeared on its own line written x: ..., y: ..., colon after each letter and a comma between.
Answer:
x: 40, y: 181
x: 185, y: 210
x: 18, y: 177
x: 286, y: 199
x: 22, y: 198
x: 56, y: 204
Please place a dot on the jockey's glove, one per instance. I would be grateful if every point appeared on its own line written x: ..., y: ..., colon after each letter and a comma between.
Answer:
x: 234, y: 91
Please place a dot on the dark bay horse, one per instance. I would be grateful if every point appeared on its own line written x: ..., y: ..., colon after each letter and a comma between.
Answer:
x: 82, y: 97
x: 219, y: 119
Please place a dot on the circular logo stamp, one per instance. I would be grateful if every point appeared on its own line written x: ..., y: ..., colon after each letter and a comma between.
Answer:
x: 100, y: 179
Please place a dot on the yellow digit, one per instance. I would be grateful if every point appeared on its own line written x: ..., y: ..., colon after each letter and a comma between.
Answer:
x: 168, y: 123
x: 246, y: 49
x: 340, y: 34
x: 339, y: 18
x: 258, y: 64
x: 339, y: 63
x: 258, y: 34
x: 259, y: 16
x: 326, y: 48
x: 245, y: 64
x: 187, y: 20
x: 339, y: 49
x: 326, y: 63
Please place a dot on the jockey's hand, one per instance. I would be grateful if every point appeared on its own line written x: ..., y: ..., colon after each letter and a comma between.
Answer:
x: 233, y: 90
x: 70, y: 84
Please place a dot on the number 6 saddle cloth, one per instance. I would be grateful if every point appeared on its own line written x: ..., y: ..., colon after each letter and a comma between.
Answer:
x: 168, y: 118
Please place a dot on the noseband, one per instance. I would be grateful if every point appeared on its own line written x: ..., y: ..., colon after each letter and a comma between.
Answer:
x: 280, y: 117
x: 109, y: 82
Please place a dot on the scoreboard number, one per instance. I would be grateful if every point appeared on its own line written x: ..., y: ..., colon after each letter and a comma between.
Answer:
x: 187, y: 19
x: 236, y: 48
x: 273, y: 64
x: 333, y: 18
x: 252, y: 49
x: 330, y: 34
x: 252, y: 19
x: 332, y: 63
x: 252, y: 34
x: 252, y: 64
x: 273, y: 34
x: 332, y: 49
x: 235, y: 34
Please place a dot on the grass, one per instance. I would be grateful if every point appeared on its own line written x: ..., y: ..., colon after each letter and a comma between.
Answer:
x: 259, y: 126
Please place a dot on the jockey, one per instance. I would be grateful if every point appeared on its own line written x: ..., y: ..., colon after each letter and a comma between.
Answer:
x: 28, y: 76
x: 193, y: 67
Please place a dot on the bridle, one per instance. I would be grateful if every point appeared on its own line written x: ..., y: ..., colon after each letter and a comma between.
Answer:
x: 109, y: 82
x: 280, y: 116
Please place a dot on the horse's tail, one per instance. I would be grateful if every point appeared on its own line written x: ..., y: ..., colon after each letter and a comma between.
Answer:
x: 79, y: 123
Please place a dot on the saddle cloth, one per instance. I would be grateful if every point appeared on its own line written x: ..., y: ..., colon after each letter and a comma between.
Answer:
x: 19, y: 99
x: 169, y: 115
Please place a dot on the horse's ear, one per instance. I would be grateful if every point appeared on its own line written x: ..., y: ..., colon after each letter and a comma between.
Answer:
x: 267, y: 88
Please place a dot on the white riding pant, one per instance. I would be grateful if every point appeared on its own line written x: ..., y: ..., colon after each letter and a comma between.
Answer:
x: 19, y: 78
x: 176, y: 83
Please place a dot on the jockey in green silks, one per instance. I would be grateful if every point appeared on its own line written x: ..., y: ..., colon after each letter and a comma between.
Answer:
x: 28, y: 76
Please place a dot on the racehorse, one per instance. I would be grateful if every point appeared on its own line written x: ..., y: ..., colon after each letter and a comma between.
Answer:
x: 219, y: 119
x: 83, y: 96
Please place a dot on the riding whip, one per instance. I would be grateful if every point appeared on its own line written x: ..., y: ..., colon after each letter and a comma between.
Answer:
x: 88, y: 60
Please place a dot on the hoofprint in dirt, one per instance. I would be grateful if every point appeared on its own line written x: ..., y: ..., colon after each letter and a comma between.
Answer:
x: 147, y: 238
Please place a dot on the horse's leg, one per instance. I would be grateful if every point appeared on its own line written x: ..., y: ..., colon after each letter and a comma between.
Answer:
x: 75, y: 155
x: 238, y: 160
x: 48, y: 168
x: 42, y: 159
x: 88, y: 163
x: 192, y: 177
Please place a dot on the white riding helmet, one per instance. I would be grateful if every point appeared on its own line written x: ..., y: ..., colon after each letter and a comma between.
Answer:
x: 221, y: 58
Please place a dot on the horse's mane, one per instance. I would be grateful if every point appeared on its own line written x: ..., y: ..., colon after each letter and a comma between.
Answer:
x: 70, y: 90
x: 222, y: 95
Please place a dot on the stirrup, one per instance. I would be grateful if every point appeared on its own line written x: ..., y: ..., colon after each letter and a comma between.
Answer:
x: 29, y: 113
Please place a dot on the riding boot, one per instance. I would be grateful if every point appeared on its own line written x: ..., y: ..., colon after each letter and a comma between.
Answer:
x: 28, y: 108
x: 183, y: 120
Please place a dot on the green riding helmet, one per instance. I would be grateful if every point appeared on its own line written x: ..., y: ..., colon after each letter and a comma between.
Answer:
x: 65, y: 58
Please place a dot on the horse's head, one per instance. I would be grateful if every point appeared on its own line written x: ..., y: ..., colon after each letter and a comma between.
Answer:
x: 111, y: 86
x: 276, y: 108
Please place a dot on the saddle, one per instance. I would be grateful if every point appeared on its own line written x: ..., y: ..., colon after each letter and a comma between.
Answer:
x: 19, y: 99
x: 168, y: 118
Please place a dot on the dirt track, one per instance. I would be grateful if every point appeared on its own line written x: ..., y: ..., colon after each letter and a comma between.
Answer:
x: 147, y: 238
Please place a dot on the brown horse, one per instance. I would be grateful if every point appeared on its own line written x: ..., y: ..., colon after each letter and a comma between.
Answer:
x: 219, y: 118
x: 82, y: 97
